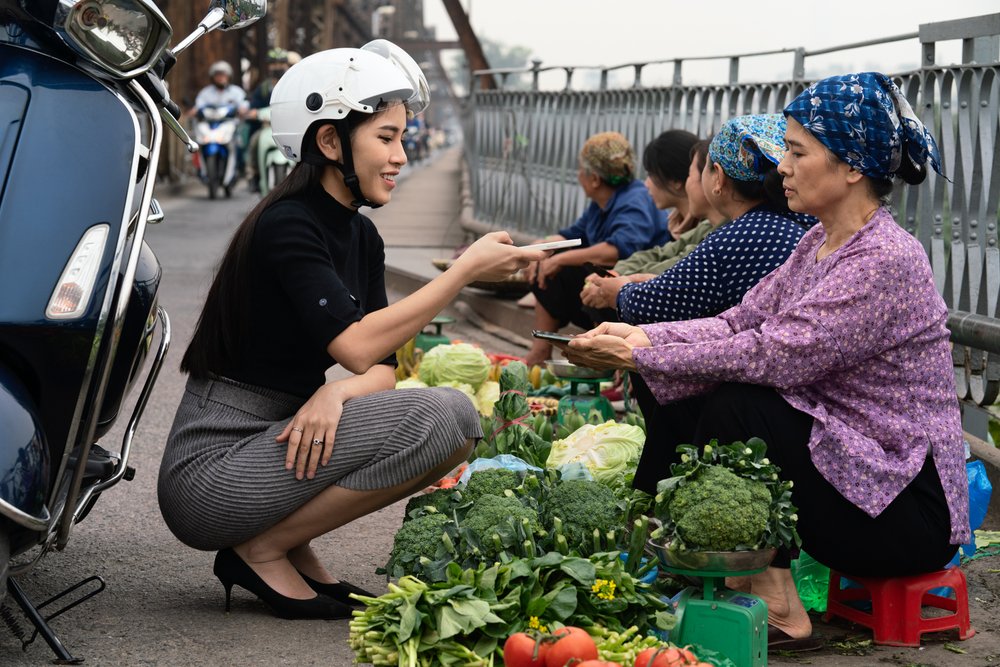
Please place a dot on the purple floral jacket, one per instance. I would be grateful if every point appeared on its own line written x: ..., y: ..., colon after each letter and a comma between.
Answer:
x: 858, y: 341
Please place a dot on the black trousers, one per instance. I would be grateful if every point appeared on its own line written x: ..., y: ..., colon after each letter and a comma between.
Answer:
x: 561, y: 297
x: 911, y: 536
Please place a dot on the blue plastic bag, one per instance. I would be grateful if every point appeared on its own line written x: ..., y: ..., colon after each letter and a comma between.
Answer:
x: 508, y: 461
x: 980, y: 491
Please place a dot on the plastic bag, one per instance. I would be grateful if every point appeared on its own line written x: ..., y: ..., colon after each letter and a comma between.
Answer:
x: 508, y: 461
x: 812, y: 579
x: 980, y: 491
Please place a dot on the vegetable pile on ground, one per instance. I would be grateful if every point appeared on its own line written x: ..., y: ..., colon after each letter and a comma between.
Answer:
x: 464, y: 618
x: 502, y: 515
x: 725, y: 498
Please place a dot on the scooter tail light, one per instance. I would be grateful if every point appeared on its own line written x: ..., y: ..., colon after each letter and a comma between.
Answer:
x: 71, y: 297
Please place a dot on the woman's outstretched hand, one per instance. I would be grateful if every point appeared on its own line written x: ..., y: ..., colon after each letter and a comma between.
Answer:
x: 494, y: 257
x: 311, y: 431
x: 608, y: 346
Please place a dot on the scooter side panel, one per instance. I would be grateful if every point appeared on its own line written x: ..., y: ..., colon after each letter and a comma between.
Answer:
x: 70, y: 169
x: 24, y: 458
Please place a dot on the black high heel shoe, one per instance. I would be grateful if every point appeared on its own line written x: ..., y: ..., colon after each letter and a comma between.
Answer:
x: 340, y: 591
x: 231, y: 569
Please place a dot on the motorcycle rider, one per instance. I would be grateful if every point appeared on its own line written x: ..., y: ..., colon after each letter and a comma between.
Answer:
x: 278, y: 61
x: 222, y: 92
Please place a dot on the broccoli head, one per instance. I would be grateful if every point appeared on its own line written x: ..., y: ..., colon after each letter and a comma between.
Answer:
x: 492, y: 481
x: 497, y: 514
x: 441, y: 500
x: 717, y: 510
x: 582, y: 506
x: 416, y: 538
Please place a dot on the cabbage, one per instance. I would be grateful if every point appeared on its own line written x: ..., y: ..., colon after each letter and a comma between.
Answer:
x: 460, y: 362
x: 410, y: 383
x: 609, y: 450
x: 488, y: 394
x: 427, y: 371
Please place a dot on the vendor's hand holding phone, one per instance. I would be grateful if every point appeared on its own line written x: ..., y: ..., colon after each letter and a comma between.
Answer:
x: 552, y: 336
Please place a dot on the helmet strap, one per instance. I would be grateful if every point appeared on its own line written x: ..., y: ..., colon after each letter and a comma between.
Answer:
x: 346, y: 165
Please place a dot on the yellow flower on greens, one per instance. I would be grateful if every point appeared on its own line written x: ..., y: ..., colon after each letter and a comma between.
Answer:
x: 535, y: 625
x: 604, y: 589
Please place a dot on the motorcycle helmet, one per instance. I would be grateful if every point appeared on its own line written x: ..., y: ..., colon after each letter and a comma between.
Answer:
x: 220, y: 67
x: 326, y: 86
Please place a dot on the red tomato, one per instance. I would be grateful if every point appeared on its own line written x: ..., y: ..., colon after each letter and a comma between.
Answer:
x: 688, y: 657
x: 572, y: 646
x: 654, y: 657
x: 519, y: 651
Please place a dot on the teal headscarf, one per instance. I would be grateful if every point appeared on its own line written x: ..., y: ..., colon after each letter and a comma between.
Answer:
x: 746, y: 143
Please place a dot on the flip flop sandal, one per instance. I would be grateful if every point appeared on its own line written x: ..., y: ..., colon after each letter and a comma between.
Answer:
x: 779, y: 640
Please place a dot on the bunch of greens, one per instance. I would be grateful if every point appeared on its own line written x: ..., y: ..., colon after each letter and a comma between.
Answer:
x: 464, y: 619
x: 725, y: 498
x: 508, y: 431
x: 501, y: 515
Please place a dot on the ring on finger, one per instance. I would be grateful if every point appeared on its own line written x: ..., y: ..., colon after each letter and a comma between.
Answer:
x: 317, y: 442
x: 297, y: 429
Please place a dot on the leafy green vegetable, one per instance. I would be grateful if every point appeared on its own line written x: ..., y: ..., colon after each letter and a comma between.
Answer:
x: 506, y: 432
x: 717, y: 510
x: 486, y: 396
x: 492, y: 518
x: 419, y: 538
x: 578, y: 508
x: 491, y: 481
x: 724, y: 498
x: 460, y: 363
x: 442, y: 500
x: 609, y: 450
x: 464, y: 618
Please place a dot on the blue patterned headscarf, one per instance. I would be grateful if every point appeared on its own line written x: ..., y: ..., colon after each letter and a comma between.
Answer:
x: 866, y: 122
x: 745, y: 143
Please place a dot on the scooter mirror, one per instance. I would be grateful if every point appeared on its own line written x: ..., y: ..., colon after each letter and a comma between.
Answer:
x: 225, y: 15
x: 240, y: 13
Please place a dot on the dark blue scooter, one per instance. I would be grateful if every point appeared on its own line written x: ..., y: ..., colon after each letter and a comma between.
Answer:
x: 82, y: 113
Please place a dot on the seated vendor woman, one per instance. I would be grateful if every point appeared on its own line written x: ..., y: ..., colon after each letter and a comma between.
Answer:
x: 839, y: 359
x: 622, y: 217
x: 264, y: 454
x: 600, y: 293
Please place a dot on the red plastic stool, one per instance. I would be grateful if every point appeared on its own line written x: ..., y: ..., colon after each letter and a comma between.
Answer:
x: 896, y: 617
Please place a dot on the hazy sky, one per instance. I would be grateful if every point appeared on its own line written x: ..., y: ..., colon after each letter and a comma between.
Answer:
x: 592, y: 32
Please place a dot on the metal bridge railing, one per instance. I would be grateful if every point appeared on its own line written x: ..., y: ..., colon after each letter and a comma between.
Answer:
x: 521, y: 147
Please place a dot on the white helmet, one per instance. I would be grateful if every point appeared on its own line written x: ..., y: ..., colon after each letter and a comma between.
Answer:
x: 220, y: 66
x: 330, y: 84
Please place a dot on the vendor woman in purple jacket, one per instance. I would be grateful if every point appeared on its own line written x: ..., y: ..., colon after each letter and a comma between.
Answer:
x: 839, y: 359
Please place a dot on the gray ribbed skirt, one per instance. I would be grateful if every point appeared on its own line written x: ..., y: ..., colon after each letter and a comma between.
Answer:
x: 223, y: 479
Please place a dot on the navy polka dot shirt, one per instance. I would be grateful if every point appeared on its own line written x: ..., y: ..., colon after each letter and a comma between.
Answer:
x: 718, y: 272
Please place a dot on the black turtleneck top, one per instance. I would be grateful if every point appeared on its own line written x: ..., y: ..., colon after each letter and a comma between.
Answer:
x: 316, y: 267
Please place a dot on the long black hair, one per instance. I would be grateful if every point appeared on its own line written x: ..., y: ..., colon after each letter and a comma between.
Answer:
x: 225, y: 317
x: 668, y: 157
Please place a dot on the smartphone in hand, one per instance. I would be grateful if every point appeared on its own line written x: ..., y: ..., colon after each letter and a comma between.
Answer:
x: 552, y: 336
x: 590, y: 267
x: 554, y: 245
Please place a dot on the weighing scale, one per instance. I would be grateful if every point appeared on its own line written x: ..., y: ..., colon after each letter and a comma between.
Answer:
x: 585, y: 401
x: 426, y: 340
x: 730, y: 622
